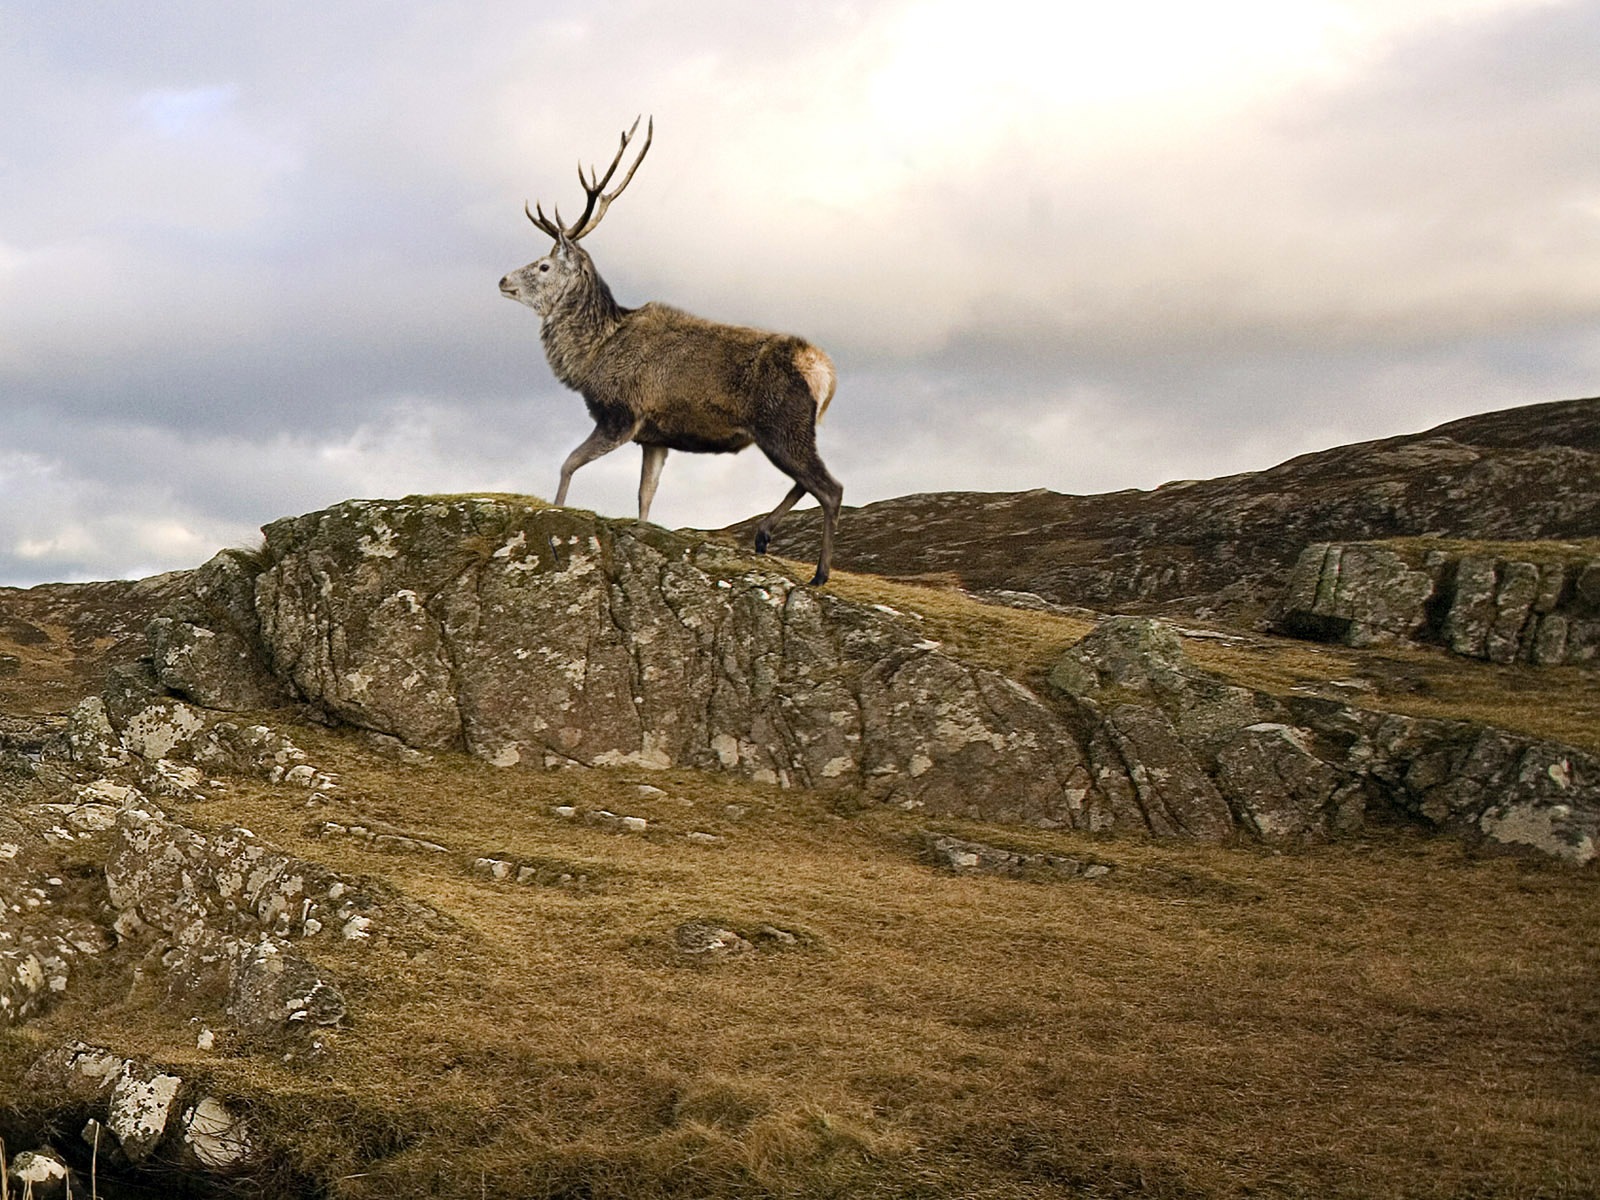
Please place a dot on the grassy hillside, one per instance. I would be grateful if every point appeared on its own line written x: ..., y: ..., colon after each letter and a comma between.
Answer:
x: 1394, y: 1019
x: 1358, y: 1021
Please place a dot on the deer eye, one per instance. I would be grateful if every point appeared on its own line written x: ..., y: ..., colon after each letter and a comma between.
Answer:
x: 544, y: 266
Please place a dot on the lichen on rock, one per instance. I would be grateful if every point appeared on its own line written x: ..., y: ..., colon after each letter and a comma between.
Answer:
x: 536, y: 636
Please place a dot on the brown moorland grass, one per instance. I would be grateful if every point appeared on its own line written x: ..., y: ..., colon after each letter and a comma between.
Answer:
x: 1361, y: 1020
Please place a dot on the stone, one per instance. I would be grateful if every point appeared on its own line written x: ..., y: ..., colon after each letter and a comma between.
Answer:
x: 141, y: 1103
x: 215, y: 1136
x: 651, y: 650
x: 1282, y: 791
x: 172, y: 876
x: 1359, y: 595
x: 208, y: 646
x: 1134, y: 654
x: 77, y: 1071
x: 1477, y: 604
x: 708, y: 941
x: 964, y: 857
x: 1180, y: 754
x: 40, y: 1174
x: 276, y: 988
x: 1175, y: 796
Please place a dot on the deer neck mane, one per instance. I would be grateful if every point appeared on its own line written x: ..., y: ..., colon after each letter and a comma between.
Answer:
x: 578, y: 326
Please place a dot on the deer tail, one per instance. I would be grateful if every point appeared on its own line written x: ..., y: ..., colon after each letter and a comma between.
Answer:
x: 820, y: 377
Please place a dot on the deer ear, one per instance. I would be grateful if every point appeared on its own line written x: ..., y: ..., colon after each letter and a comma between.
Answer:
x: 564, y: 247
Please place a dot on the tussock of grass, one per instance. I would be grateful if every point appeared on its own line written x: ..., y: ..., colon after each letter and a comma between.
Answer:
x: 1354, y: 1021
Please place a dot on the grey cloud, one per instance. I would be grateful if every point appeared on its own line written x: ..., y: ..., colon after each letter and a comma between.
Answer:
x: 248, y: 257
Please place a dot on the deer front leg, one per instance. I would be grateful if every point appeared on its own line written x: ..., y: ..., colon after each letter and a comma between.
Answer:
x: 655, y: 457
x: 601, y: 441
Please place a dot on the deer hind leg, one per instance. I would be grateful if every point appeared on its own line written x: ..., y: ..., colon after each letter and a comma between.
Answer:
x: 794, y: 452
x: 770, y: 521
x: 601, y: 441
x: 655, y: 457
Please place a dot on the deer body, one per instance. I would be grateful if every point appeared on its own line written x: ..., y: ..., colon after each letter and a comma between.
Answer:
x: 668, y: 380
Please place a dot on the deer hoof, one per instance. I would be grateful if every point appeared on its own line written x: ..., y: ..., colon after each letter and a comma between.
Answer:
x: 820, y: 578
x: 762, y: 538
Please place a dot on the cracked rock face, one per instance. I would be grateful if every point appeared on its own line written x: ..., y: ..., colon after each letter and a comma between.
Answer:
x: 550, y: 637
x: 1478, y: 605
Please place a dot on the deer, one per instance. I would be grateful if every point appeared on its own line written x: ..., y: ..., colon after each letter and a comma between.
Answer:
x: 668, y: 380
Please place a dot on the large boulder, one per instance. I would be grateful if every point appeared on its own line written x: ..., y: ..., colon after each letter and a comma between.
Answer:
x: 528, y: 634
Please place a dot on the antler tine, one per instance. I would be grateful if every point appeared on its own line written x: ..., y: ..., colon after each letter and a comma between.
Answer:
x: 593, y: 187
x: 542, y: 222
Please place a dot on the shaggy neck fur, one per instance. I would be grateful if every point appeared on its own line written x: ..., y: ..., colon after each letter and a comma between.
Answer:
x: 579, y: 324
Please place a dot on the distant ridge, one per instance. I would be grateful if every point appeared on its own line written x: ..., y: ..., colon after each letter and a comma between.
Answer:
x: 1227, y: 544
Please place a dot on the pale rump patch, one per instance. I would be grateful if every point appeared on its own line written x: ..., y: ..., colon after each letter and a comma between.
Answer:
x: 817, y: 368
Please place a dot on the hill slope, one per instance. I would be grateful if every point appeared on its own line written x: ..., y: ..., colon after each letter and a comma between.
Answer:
x: 1226, y: 545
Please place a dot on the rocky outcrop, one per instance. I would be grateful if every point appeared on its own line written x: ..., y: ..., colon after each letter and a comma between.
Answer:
x: 526, y: 634
x: 1185, y: 754
x: 1225, y: 546
x: 1494, y: 607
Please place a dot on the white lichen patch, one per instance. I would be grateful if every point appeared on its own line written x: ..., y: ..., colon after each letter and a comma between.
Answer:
x: 508, y: 755
x: 1547, y: 828
x: 160, y: 729
x: 516, y: 545
x: 357, y: 929
x: 651, y: 757
x: 38, y: 1174
x: 726, y: 747
x: 108, y: 791
x: 379, y: 543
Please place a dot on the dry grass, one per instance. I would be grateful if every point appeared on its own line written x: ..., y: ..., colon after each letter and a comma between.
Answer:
x: 1359, y: 1021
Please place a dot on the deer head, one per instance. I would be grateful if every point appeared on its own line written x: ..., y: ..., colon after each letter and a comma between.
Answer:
x: 542, y: 283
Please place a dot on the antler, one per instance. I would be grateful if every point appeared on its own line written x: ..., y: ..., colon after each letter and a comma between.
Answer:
x: 594, y: 188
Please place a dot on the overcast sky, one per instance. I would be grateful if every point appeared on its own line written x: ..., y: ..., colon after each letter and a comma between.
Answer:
x: 249, y: 252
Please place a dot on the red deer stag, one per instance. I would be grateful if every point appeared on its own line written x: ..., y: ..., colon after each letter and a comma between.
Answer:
x: 671, y: 381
